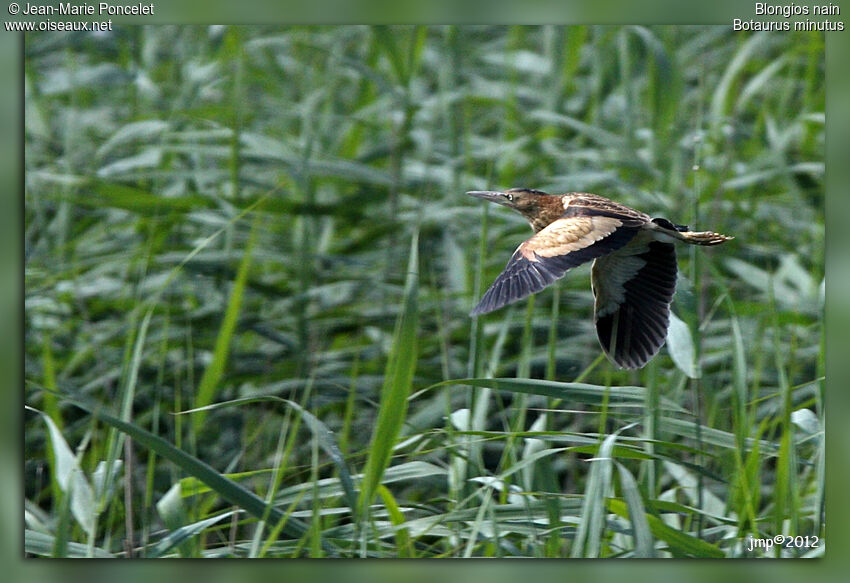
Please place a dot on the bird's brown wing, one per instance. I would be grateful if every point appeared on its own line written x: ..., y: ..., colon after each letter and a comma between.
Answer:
x: 633, y: 288
x: 566, y: 243
x: 586, y: 204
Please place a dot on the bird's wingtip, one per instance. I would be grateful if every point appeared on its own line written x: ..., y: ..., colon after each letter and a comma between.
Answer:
x: 479, y: 310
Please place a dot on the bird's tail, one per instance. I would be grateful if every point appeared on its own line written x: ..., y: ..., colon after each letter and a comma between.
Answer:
x: 703, y: 237
x: 683, y: 233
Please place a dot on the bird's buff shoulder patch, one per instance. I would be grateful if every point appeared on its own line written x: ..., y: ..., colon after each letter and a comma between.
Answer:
x: 567, y: 235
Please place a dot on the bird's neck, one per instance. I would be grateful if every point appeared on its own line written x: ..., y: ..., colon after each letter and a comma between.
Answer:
x: 546, y: 210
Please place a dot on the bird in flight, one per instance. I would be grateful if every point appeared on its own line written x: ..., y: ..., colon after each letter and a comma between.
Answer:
x: 633, y: 277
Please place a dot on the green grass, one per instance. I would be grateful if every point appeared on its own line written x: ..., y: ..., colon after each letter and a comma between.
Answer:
x: 250, y: 263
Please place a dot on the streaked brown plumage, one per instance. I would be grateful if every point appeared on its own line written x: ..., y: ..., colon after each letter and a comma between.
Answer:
x: 634, y: 264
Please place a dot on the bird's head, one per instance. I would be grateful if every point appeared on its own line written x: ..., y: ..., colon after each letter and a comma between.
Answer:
x: 536, y: 206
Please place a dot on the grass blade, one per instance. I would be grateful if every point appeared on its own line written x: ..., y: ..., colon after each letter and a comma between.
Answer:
x: 215, y: 369
x: 573, y: 392
x: 328, y: 443
x: 397, y: 383
x: 637, y: 514
x: 224, y: 487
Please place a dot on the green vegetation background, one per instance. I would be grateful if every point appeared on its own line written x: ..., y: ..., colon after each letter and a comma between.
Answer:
x: 271, y: 222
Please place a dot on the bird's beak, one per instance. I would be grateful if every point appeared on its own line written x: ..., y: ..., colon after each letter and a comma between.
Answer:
x: 491, y: 195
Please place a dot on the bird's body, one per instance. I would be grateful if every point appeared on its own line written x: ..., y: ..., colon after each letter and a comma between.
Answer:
x: 634, y: 264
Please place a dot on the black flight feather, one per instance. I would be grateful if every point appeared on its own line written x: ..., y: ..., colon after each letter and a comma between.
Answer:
x: 522, y: 277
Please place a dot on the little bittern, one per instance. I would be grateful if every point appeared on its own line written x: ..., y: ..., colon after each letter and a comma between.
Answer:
x: 634, y: 264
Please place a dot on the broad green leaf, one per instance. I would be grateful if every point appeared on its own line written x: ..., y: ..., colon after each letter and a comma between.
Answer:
x: 70, y: 477
x: 680, y: 345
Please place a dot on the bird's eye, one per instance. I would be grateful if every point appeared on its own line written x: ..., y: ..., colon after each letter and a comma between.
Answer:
x: 509, y: 197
